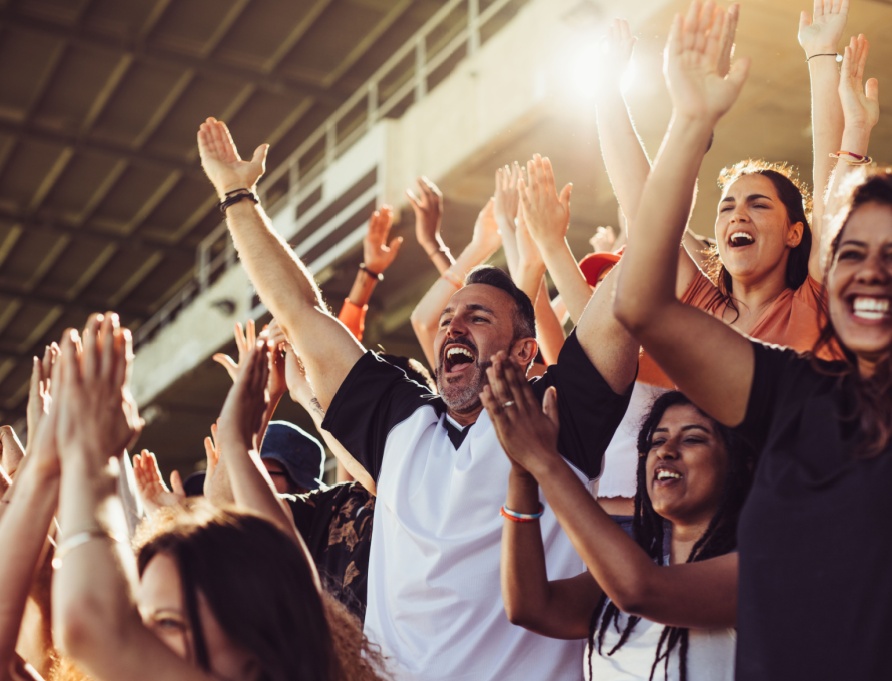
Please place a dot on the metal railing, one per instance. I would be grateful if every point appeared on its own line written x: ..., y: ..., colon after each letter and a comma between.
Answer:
x: 434, y: 51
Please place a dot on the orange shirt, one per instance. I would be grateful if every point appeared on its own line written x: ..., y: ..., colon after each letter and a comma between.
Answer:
x: 791, y: 319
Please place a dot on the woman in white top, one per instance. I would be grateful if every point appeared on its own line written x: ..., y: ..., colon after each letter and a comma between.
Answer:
x: 693, y: 476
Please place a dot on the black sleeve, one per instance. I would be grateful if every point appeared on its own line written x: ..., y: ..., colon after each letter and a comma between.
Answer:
x: 588, y: 408
x: 303, y: 512
x: 373, y: 398
x: 772, y: 369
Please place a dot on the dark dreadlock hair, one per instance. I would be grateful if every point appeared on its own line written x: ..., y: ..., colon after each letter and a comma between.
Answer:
x: 871, y: 410
x: 648, y: 530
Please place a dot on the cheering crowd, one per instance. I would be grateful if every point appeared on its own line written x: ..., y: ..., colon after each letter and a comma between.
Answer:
x: 691, y: 485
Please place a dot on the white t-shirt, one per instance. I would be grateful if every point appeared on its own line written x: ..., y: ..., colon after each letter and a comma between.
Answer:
x: 710, y: 654
x: 434, y: 593
x: 619, y: 477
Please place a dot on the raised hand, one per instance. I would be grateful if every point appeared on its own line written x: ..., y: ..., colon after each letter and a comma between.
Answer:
x: 547, y: 213
x: 242, y: 413
x: 821, y: 32
x: 486, y: 230
x: 527, y: 430
x: 212, y: 455
x: 221, y: 162
x: 428, y: 207
x: 616, y: 53
x: 39, y: 389
x: 11, y: 450
x: 377, y: 253
x: 860, y: 103
x: 245, y: 337
x: 528, y: 254
x: 507, y: 197
x: 697, y: 46
x: 96, y: 414
x: 150, y: 486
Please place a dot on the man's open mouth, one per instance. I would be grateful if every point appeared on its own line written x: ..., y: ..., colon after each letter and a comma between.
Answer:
x: 456, y: 357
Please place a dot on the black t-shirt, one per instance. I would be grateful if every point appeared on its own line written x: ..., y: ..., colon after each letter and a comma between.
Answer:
x: 815, y: 535
x: 336, y: 525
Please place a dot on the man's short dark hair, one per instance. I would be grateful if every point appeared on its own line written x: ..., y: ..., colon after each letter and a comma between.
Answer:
x: 524, y: 316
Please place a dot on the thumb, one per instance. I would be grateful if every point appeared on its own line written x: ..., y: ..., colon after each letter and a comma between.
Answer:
x: 176, y: 484
x: 739, y: 71
x: 565, y: 195
x: 804, y: 20
x: 550, y: 405
x: 227, y: 363
x: 872, y: 89
x: 395, y: 245
x: 260, y: 155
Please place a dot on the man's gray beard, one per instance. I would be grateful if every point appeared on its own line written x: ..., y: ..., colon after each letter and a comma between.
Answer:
x: 466, y: 398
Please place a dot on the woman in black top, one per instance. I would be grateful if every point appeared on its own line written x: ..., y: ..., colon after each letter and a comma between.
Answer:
x: 815, y: 543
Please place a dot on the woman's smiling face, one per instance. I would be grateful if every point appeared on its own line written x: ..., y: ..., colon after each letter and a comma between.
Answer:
x: 859, y: 284
x: 687, y: 465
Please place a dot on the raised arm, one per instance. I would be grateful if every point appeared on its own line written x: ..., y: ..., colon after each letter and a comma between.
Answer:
x: 95, y: 620
x: 689, y: 595
x: 710, y: 362
x: 530, y: 278
x: 23, y: 534
x: 606, y: 344
x: 622, y: 149
x: 625, y: 158
x: 301, y: 391
x: 29, y: 506
x: 426, y: 315
x: 861, y: 110
x: 281, y: 279
x: 378, y: 254
x: 560, y: 608
x: 819, y: 36
x: 428, y: 207
x: 239, y: 436
x: 547, y: 216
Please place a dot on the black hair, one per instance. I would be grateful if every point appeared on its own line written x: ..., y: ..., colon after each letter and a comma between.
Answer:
x: 524, y: 316
x: 871, y: 408
x: 648, y: 528
x: 795, y: 197
x: 257, y: 583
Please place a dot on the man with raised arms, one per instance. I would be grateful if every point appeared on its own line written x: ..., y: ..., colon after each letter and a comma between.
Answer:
x: 434, y: 599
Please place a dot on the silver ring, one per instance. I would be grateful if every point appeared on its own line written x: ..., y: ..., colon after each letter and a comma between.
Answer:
x: 509, y: 403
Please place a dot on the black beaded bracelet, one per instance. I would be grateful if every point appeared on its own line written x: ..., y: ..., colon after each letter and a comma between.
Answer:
x: 236, y: 196
x: 374, y: 275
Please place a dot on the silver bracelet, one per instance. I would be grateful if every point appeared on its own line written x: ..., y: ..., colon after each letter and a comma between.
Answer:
x: 75, y: 541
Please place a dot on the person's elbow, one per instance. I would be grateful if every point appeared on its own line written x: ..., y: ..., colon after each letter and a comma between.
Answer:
x: 82, y: 625
x: 522, y: 616
x: 421, y: 323
x: 631, y: 310
x: 634, y: 596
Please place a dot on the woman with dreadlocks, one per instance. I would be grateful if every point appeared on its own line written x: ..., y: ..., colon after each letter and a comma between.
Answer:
x: 639, y: 619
